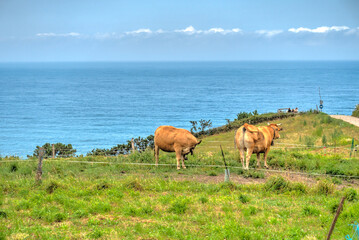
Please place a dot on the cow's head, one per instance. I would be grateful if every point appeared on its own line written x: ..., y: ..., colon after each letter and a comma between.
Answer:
x: 189, y: 150
x: 277, y: 128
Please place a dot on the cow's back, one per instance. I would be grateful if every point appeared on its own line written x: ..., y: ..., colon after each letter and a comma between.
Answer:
x: 166, y: 137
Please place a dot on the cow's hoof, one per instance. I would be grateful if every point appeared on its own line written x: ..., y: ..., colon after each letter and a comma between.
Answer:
x: 184, y: 167
x: 178, y: 168
x: 266, y: 167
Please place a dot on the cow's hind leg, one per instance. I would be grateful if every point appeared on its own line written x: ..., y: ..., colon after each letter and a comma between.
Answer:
x: 248, y: 157
x: 258, y: 160
x: 157, y: 151
x: 182, y: 158
x: 265, y: 158
x: 241, y: 154
x: 178, y: 157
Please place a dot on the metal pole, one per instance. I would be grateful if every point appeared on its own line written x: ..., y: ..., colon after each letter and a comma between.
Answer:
x: 226, y: 170
x: 336, y: 218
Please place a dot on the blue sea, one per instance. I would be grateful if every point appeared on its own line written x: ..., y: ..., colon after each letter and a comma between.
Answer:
x: 102, y: 104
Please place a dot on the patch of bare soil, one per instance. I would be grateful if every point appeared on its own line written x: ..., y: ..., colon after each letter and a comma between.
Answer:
x: 303, y: 178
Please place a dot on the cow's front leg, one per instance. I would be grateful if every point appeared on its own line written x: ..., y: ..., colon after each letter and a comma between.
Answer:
x: 248, y: 157
x: 183, y: 166
x: 258, y: 160
x: 265, y: 158
x: 178, y: 157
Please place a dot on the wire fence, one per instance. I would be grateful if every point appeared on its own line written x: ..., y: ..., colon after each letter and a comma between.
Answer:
x: 310, y: 174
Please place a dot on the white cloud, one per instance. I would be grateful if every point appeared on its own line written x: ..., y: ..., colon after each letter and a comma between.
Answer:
x: 191, y: 30
x: 323, y: 29
x: 216, y: 30
x: 222, y: 31
x: 236, y: 30
x: 188, y: 30
x: 71, y: 34
x: 139, y: 31
x: 268, y: 33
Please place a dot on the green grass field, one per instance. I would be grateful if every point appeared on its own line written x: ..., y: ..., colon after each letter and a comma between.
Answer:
x: 117, y: 200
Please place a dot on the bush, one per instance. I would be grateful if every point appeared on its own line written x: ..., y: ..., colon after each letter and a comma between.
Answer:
x: 277, y: 184
x: 179, y: 206
x: 356, y: 111
x: 141, y: 144
x: 310, y: 211
x: 61, y: 150
x: 351, y: 194
x: 13, y: 167
x: 243, y: 198
x: 203, y: 199
x: 134, y: 184
x: 309, y: 141
x: 318, y: 132
x: 52, y: 187
x: 324, y: 187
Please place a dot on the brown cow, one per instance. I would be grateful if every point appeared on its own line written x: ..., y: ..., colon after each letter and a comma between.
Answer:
x: 256, y: 140
x: 171, y: 139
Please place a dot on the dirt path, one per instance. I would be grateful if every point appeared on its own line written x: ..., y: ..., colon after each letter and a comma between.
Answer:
x: 349, y: 119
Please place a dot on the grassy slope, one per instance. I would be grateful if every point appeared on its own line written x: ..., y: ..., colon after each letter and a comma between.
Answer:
x: 78, y: 200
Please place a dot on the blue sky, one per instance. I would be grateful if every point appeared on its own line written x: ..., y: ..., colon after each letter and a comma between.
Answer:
x: 178, y: 30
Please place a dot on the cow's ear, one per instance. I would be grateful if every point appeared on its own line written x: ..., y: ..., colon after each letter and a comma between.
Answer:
x: 199, y: 142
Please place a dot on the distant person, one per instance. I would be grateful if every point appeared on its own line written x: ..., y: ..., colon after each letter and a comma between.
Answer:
x: 296, y: 110
x: 289, y: 110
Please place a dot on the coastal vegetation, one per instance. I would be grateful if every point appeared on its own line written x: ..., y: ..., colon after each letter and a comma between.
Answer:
x: 123, y: 196
x: 356, y: 111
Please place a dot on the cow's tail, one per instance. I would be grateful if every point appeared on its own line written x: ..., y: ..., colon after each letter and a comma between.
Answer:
x: 243, y: 133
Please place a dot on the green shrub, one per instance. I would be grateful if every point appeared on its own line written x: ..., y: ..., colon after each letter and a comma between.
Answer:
x: 298, y: 187
x: 14, y: 167
x: 310, y: 211
x: 333, y: 207
x: 134, y: 185
x: 250, y: 211
x: 318, y: 132
x: 96, y: 233
x: 243, y: 198
x: 277, y: 184
x: 324, y: 140
x: 180, y: 206
x: 51, y: 187
x: 203, y: 199
x: 3, y: 214
x: 356, y: 111
x: 212, y: 174
x: 351, y: 194
x: 309, y: 141
x: 324, y: 187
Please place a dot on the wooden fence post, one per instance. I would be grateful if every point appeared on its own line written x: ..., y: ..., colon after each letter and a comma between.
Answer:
x: 53, y: 151
x: 336, y: 218
x: 39, y: 166
x: 133, y: 145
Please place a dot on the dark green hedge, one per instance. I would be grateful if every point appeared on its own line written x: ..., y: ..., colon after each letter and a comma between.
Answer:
x: 254, y: 119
